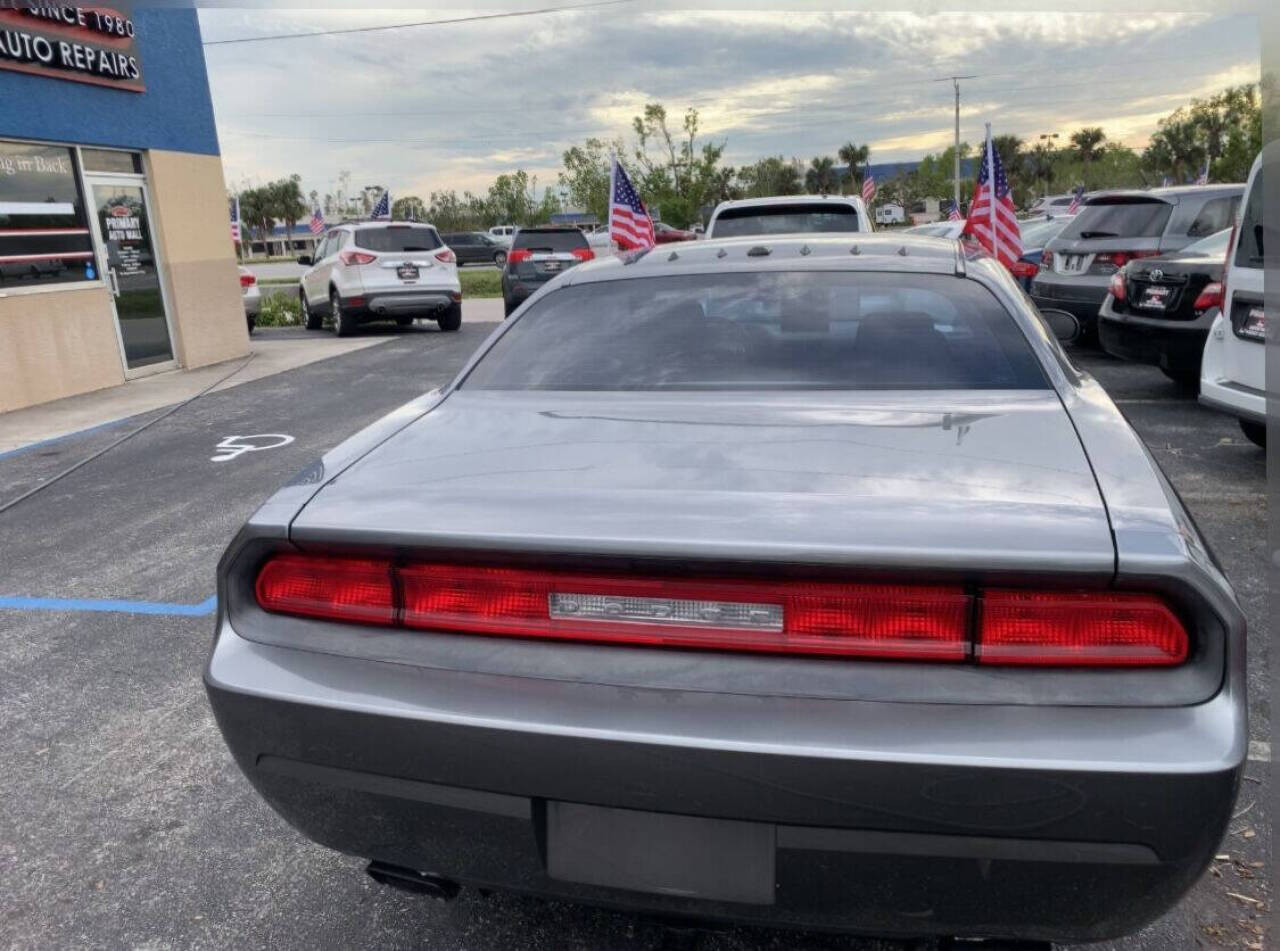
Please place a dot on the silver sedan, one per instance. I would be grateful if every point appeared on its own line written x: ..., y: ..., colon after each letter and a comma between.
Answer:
x: 790, y: 580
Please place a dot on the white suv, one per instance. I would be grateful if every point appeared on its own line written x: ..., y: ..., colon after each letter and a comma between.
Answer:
x: 1233, y: 375
x: 789, y: 214
x: 380, y: 270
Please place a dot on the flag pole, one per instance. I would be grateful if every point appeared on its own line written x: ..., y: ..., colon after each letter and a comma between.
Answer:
x: 991, y: 197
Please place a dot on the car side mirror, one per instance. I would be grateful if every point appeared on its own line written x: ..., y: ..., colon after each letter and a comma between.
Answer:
x: 304, y: 259
x: 1065, y: 326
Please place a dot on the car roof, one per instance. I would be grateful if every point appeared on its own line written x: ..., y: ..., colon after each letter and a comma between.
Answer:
x: 370, y: 225
x: 856, y: 251
x: 1171, y: 194
x: 853, y: 200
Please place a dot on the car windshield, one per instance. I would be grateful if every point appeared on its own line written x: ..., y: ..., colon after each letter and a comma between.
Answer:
x: 1119, y: 219
x: 396, y: 239
x: 1214, y: 246
x: 566, y: 239
x: 1036, y: 234
x: 795, y: 218
x: 764, y: 331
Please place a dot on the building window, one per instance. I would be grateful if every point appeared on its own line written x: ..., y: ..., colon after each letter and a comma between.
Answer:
x: 44, y: 234
x: 111, y: 160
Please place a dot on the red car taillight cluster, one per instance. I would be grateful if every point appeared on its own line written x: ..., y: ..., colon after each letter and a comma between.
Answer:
x: 516, y: 255
x: 583, y: 254
x: 1209, y: 296
x: 1116, y: 287
x: 1121, y: 258
x: 905, y: 622
x: 248, y: 280
x: 350, y: 257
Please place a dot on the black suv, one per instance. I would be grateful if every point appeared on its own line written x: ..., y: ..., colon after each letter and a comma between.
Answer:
x: 1114, y: 228
x: 536, y: 256
x: 475, y: 247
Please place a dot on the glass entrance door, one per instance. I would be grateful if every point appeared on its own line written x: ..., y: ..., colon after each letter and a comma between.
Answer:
x: 133, y: 272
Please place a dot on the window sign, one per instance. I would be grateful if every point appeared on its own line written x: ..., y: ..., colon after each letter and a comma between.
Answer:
x: 83, y: 44
x: 44, y: 233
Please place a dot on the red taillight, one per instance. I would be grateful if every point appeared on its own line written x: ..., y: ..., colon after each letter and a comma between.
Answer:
x: 1058, y: 629
x: 1211, y: 296
x: 1024, y: 269
x: 909, y: 622
x: 247, y: 280
x: 350, y: 257
x: 1046, y: 261
x: 446, y: 256
x: 339, y: 589
x: 1116, y: 286
x: 583, y: 254
x: 800, y: 618
x: 519, y: 254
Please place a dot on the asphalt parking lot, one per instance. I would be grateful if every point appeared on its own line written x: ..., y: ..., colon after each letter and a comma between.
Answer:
x: 126, y: 822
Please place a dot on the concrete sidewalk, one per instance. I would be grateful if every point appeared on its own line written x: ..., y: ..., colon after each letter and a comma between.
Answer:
x: 274, y: 350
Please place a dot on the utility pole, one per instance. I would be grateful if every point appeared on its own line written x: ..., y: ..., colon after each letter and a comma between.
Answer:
x: 955, y: 81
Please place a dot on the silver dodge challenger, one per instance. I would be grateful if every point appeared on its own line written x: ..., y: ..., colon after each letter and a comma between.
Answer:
x: 800, y: 581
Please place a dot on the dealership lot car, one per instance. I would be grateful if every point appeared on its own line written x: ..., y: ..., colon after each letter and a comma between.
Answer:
x: 537, y: 256
x: 251, y: 294
x: 1158, y: 310
x: 475, y: 247
x: 378, y: 270
x: 1114, y: 228
x: 783, y: 570
x: 789, y: 214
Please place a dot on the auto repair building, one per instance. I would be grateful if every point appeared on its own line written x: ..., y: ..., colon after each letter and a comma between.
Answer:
x: 116, y: 259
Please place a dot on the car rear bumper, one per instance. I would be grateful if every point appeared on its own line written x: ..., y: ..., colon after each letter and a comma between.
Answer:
x: 374, y: 304
x: 1081, y: 296
x: 884, y: 818
x: 1174, y: 345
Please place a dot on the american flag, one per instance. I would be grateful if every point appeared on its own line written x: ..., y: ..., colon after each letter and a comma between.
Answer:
x: 630, y: 226
x: 992, y: 218
x: 954, y: 213
x: 383, y: 208
x: 317, y: 221
x: 1076, y: 195
x: 868, y: 185
x: 1203, y: 177
x: 235, y: 218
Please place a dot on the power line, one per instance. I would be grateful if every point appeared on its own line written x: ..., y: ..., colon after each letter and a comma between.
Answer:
x: 402, y: 26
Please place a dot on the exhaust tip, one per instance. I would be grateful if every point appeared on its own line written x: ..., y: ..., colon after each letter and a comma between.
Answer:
x: 411, y: 880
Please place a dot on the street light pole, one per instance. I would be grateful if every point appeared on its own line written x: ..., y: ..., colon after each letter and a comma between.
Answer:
x: 955, y: 81
x: 1048, y: 139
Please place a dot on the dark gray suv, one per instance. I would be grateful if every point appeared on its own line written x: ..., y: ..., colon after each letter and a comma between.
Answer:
x: 536, y: 256
x: 1116, y: 227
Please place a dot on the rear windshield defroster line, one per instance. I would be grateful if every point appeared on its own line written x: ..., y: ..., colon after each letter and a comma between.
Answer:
x: 800, y: 330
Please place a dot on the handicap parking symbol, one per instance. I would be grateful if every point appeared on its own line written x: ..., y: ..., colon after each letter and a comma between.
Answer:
x: 232, y: 446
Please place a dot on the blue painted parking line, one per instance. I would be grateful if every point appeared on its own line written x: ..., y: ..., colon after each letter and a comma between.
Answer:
x: 20, y: 603
x: 32, y: 446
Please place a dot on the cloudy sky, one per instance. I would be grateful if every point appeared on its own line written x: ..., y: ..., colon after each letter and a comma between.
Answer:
x: 451, y: 106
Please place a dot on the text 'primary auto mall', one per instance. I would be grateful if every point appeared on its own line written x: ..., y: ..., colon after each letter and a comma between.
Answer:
x: 681, y: 555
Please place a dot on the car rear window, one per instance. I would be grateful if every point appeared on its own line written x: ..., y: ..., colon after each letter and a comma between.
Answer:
x: 395, y: 239
x: 1126, y: 219
x: 565, y: 239
x: 1250, y: 248
x: 1036, y: 234
x: 766, y: 331
x: 801, y: 217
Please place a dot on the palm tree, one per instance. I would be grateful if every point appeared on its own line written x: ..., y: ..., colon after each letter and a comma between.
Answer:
x: 1087, y: 144
x: 853, y: 156
x: 1042, y: 161
x: 820, y: 178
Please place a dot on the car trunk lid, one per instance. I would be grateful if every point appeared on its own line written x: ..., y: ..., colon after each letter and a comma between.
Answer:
x: 948, y: 480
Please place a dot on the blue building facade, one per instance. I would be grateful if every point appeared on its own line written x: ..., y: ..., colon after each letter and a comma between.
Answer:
x: 116, y: 258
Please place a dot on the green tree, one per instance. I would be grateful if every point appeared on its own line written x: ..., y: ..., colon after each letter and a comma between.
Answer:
x: 771, y: 176
x: 677, y: 176
x: 1087, y: 143
x: 855, y: 157
x: 408, y: 208
x: 820, y: 178
x: 511, y: 198
x: 257, y: 211
x: 585, y: 176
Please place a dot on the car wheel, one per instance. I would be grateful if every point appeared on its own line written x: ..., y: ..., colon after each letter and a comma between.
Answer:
x: 308, y: 320
x: 450, y: 318
x: 343, y: 324
x: 500, y: 258
x: 404, y: 321
x: 508, y: 307
x: 1189, y: 380
x: 1256, y: 433
x: 253, y: 323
